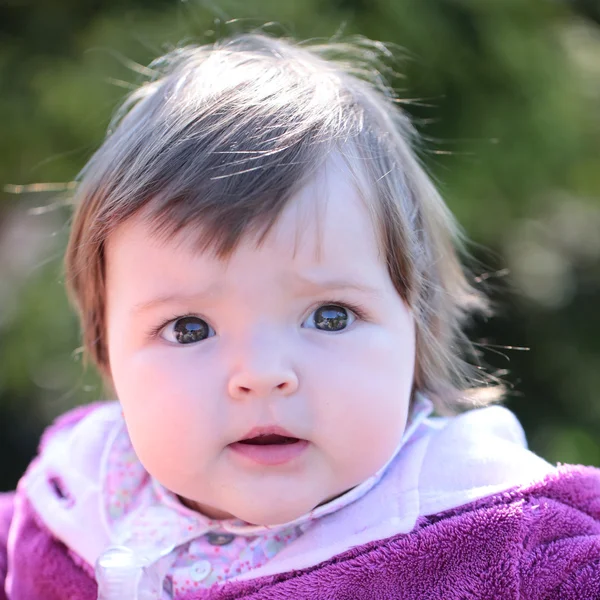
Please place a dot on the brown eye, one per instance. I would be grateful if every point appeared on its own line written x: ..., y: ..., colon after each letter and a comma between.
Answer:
x: 332, y: 318
x: 187, y: 330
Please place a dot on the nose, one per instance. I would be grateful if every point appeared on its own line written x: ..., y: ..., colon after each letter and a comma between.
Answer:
x: 262, y: 385
x: 262, y: 372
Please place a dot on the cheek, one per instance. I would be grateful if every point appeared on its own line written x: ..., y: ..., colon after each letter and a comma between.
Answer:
x: 168, y: 403
x: 364, y: 398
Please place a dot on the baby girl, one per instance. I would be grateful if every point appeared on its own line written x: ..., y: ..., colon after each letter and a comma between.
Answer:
x: 270, y: 285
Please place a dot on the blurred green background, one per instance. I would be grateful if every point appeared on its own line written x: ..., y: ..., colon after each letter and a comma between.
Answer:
x: 506, y: 94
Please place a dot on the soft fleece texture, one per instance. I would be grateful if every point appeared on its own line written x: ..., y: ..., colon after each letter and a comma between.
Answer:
x: 540, y: 542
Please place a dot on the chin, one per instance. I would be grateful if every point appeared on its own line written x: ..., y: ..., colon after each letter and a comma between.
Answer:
x: 271, y: 514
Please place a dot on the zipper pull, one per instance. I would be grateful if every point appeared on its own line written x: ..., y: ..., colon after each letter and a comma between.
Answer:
x: 123, y: 574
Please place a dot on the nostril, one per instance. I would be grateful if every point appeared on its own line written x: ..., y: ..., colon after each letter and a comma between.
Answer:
x: 245, y: 386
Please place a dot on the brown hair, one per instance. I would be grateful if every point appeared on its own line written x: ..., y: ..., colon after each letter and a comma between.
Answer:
x: 223, y: 135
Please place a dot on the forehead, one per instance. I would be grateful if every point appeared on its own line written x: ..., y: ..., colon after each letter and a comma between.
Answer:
x: 326, y: 227
x: 326, y: 217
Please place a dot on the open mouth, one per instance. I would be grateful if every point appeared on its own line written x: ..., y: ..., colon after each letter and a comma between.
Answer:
x: 269, y: 448
x: 269, y: 440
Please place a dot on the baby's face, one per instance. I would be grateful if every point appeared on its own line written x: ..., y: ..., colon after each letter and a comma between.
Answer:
x: 262, y: 386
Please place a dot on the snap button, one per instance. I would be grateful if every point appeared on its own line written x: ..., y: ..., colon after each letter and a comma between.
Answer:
x: 201, y: 570
x: 219, y: 539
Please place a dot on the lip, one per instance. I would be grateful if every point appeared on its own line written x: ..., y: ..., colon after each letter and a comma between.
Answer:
x: 270, y: 454
x: 267, y: 430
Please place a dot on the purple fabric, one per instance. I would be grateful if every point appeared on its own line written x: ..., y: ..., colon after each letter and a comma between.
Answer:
x: 41, y: 566
x: 529, y: 544
x: 6, y: 513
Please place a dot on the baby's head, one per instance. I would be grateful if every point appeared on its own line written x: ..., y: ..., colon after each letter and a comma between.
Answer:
x: 257, y: 250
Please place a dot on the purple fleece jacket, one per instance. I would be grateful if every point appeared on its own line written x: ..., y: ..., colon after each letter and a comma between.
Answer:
x: 541, y: 542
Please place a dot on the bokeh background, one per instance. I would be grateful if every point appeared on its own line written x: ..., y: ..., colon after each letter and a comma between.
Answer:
x: 506, y: 94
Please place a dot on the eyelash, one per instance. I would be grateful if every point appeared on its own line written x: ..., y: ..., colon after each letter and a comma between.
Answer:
x: 355, y: 308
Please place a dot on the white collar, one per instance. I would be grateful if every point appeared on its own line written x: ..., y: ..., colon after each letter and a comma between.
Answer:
x: 156, y: 503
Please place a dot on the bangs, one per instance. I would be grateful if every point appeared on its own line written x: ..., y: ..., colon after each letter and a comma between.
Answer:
x: 220, y: 198
x: 225, y: 156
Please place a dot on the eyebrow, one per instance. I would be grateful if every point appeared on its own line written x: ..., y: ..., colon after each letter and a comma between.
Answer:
x: 201, y: 295
x: 337, y: 284
x: 306, y: 282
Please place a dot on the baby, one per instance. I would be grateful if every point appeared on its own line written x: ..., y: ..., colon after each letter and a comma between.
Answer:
x: 270, y: 284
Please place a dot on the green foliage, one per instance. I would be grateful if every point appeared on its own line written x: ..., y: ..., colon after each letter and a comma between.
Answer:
x: 504, y: 92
